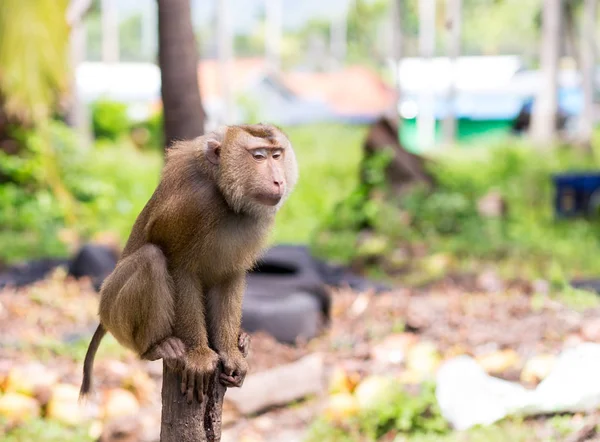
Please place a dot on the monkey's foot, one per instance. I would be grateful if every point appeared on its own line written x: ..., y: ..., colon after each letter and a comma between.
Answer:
x: 244, y: 343
x: 200, y: 366
x: 234, y: 370
x: 169, y: 349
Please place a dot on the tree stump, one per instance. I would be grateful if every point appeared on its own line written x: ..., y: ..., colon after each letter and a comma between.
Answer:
x: 406, y: 168
x: 195, y: 422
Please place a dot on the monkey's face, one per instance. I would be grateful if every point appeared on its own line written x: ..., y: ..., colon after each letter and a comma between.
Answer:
x: 257, y: 167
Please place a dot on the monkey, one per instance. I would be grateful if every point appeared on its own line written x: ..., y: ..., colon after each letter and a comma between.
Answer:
x: 176, y: 292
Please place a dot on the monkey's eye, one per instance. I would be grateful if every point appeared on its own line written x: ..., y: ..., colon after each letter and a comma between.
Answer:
x: 259, y: 154
x: 276, y: 154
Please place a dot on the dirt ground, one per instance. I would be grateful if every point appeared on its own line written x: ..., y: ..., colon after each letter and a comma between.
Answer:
x: 51, y: 322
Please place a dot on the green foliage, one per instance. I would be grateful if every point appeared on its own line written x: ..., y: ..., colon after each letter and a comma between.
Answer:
x: 397, y: 413
x: 362, y: 208
x: 47, y: 349
x: 33, y: 57
x: 109, y: 187
x: 447, y: 220
x: 328, y: 156
x: 110, y: 120
x: 45, y: 430
x: 112, y: 184
x: 155, y: 129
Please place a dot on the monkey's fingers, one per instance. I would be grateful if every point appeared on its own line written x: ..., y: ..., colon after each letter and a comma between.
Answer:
x: 244, y: 343
x: 190, y: 388
x: 170, y: 348
x: 184, y: 381
x: 230, y: 381
x: 201, y: 385
x: 176, y: 349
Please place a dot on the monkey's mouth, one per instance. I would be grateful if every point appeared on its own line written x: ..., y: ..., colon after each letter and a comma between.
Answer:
x: 268, y: 199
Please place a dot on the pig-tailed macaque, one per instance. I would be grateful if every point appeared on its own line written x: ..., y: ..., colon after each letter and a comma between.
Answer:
x: 176, y: 292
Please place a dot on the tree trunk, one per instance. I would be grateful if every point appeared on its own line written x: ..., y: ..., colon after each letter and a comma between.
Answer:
x: 453, y: 26
x: 77, y: 114
x: 588, y: 72
x: 178, y: 58
x: 273, y: 9
x: 225, y: 49
x: 110, y: 31
x: 545, y: 109
x: 195, y: 422
x: 338, y: 39
x: 426, y: 117
x: 198, y: 421
x: 397, y: 46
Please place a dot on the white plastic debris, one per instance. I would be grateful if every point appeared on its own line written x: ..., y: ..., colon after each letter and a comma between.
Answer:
x: 468, y: 396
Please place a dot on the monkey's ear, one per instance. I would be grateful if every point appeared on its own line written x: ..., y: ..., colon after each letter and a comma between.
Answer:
x: 213, y: 151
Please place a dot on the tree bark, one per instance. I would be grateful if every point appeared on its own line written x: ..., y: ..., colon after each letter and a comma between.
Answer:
x: 588, y: 72
x: 183, y: 422
x: 198, y: 421
x: 545, y: 109
x: 178, y: 58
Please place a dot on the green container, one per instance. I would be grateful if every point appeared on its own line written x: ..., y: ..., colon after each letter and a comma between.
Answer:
x: 468, y: 131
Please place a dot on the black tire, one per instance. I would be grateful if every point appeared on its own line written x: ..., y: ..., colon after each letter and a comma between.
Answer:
x: 286, y: 316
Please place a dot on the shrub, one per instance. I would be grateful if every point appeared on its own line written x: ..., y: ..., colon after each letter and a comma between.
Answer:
x: 102, y: 189
x: 447, y: 220
x: 110, y: 120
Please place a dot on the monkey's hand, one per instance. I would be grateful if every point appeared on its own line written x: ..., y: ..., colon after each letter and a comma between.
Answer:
x: 199, y: 368
x: 244, y: 343
x: 235, y: 368
x: 170, y: 349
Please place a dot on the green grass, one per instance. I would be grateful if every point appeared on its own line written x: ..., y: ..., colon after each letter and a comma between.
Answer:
x: 112, y: 182
x: 46, y: 349
x: 46, y: 431
x: 328, y: 157
x: 555, y: 429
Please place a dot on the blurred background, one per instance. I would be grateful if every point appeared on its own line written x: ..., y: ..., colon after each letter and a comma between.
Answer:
x: 447, y: 213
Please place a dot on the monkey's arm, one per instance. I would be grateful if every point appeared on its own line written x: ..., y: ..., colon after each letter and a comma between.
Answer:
x: 200, y: 361
x: 224, y: 320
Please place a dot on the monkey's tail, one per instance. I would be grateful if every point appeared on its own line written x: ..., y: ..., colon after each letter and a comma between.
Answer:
x: 88, y: 364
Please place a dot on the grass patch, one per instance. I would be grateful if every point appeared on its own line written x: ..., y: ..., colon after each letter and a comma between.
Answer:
x: 528, y: 241
x: 111, y: 182
x: 46, y: 349
x: 328, y: 157
x: 45, y: 430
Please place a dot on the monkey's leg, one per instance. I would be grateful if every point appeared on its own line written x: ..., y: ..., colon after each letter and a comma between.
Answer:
x: 200, y: 360
x: 136, y: 305
x: 225, y: 318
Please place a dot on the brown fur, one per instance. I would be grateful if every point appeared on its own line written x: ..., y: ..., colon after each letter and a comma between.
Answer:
x: 176, y: 292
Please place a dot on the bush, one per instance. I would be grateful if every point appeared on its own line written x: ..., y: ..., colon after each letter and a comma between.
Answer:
x: 110, y: 120
x: 149, y: 134
x: 399, y: 412
x: 446, y: 220
x: 56, y: 182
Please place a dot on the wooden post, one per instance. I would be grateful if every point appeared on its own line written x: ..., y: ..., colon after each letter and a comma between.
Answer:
x: 183, y: 422
x: 195, y: 422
